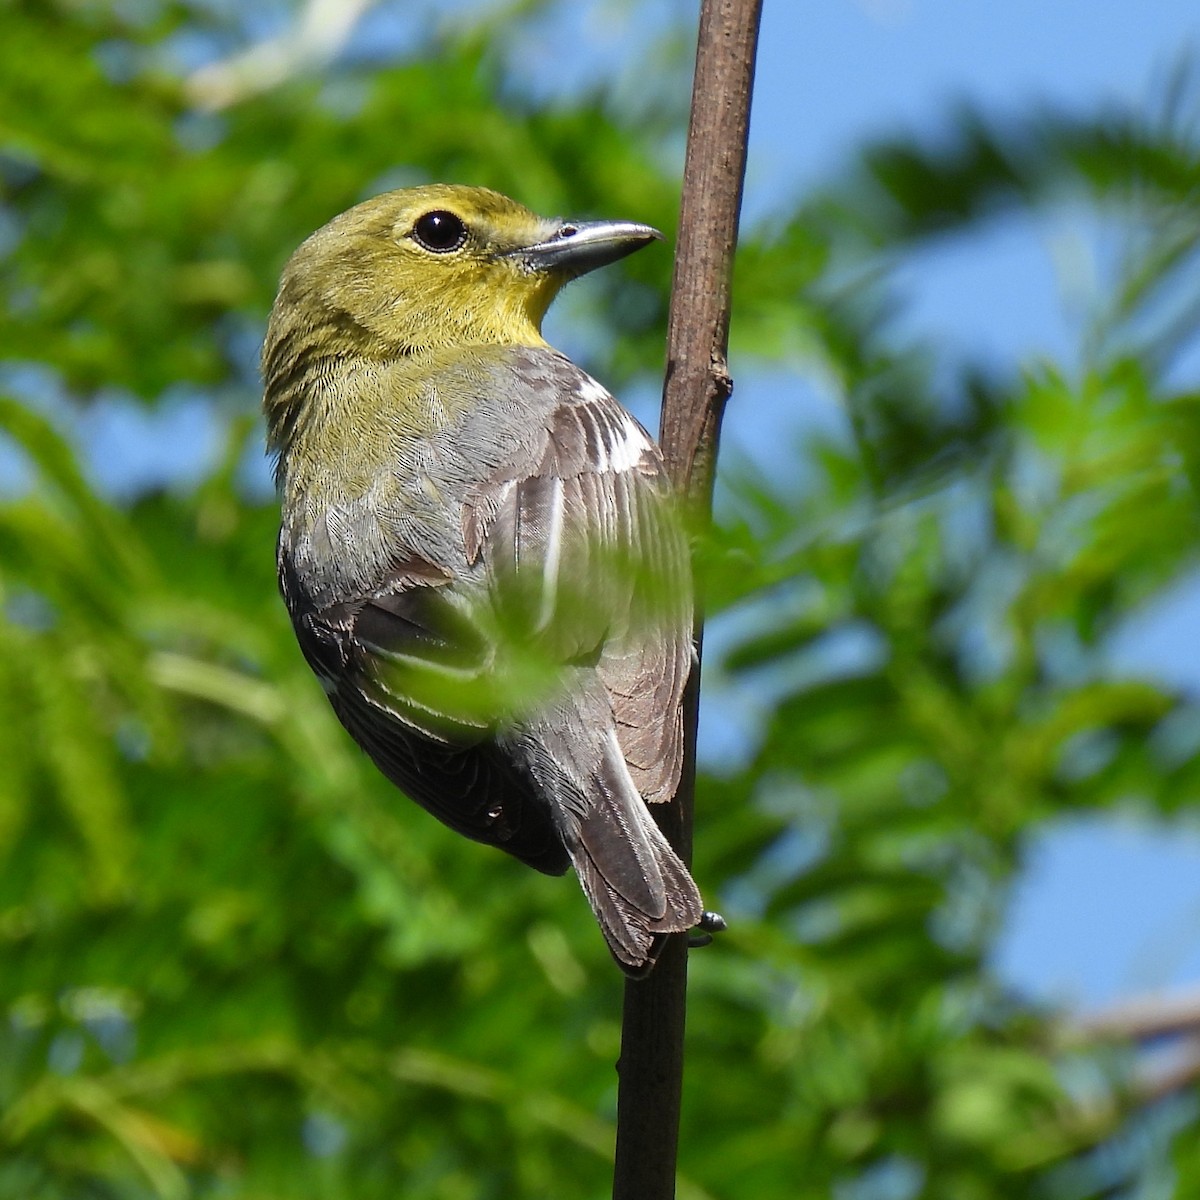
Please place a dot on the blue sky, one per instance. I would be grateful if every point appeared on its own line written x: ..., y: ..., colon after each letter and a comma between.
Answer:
x: 833, y: 72
x: 1106, y: 907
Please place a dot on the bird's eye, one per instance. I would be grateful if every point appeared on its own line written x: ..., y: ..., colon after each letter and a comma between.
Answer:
x: 440, y: 232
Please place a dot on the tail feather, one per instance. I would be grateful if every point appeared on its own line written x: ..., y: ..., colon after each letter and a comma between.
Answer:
x: 635, y: 883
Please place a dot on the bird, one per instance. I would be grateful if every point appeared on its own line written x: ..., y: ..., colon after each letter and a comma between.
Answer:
x: 480, y: 550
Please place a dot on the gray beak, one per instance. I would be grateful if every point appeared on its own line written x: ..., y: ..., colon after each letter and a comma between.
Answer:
x: 577, y: 247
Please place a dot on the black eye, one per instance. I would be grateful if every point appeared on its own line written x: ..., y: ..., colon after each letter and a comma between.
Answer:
x: 440, y: 231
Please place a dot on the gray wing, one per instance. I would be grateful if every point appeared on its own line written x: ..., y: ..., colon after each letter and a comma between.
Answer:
x: 586, y: 525
x: 447, y: 763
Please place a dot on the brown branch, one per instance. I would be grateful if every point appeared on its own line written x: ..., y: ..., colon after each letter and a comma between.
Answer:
x: 1172, y: 1019
x: 1160, y: 1073
x: 1156, y: 1015
x: 697, y: 386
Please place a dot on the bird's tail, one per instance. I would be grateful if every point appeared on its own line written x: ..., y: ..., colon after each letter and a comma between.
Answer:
x: 635, y: 883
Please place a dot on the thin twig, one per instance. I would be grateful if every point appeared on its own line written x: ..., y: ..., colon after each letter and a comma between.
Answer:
x: 697, y: 386
x: 1166, y: 1026
x: 1152, y: 1016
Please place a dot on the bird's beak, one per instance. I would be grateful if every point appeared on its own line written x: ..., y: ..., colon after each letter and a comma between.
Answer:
x: 577, y: 247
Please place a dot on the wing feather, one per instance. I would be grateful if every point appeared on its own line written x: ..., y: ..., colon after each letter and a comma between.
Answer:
x: 590, y: 515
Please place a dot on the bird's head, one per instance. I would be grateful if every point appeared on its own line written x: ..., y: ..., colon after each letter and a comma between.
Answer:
x: 438, y: 266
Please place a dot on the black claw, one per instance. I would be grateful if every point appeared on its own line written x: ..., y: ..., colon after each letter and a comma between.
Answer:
x: 709, y: 923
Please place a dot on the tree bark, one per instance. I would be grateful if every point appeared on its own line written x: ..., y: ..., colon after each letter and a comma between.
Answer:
x: 697, y: 386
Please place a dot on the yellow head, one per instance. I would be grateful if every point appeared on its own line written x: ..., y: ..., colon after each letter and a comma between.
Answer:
x: 441, y: 265
x: 426, y: 269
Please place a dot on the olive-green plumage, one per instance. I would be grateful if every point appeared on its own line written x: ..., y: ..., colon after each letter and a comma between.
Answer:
x: 478, y: 547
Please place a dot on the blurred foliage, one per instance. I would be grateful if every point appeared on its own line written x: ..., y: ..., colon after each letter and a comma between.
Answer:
x: 233, y: 962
